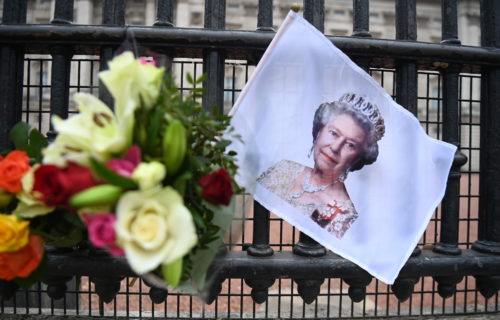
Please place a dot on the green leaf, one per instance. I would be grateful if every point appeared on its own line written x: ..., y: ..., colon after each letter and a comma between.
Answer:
x: 189, y: 78
x: 19, y: 135
x: 179, y: 183
x: 71, y: 239
x: 112, y: 177
x: 202, y: 78
x: 37, y: 143
x: 222, y: 144
x: 198, y: 219
x: 155, y: 119
x: 73, y: 219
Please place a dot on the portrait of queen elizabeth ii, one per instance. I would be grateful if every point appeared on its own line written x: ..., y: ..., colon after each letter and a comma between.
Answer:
x: 345, y: 136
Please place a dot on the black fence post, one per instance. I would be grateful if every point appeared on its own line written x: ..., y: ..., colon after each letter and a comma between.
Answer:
x: 361, y: 18
x: 213, y: 59
x: 61, y: 65
x: 113, y: 14
x: 449, y: 18
x: 165, y: 18
x: 489, y: 188
x: 164, y: 13
x: 361, y: 28
x: 214, y: 68
x: 406, y: 72
x: 407, y: 96
x: 450, y: 204
x: 314, y: 12
x: 265, y: 15
x: 11, y: 73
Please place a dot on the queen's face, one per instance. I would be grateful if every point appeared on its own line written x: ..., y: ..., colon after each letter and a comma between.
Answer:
x: 338, y: 145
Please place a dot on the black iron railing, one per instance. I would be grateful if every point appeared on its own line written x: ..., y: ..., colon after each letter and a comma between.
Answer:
x: 270, y: 262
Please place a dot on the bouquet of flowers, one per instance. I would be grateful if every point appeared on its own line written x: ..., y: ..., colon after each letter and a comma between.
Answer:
x: 149, y: 180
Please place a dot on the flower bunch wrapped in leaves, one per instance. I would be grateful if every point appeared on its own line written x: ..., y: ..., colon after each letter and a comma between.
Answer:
x: 149, y: 180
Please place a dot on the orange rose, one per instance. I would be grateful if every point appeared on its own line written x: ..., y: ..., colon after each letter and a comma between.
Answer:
x: 12, y: 169
x: 23, y: 262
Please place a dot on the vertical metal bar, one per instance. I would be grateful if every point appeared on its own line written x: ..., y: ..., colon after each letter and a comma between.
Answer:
x: 164, y: 13
x: 260, y: 244
x: 361, y: 28
x: 11, y: 73
x: 265, y: 15
x: 314, y: 12
x: 406, y: 71
x: 164, y: 18
x: 213, y: 59
x: 113, y: 14
x: 406, y: 20
x: 61, y: 64
x: 489, y: 188
x: 215, y: 14
x: 63, y: 12
x: 449, y: 19
x: 450, y: 205
x: 361, y: 18
x: 59, y: 91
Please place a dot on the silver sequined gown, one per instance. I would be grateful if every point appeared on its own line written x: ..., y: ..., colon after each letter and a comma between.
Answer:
x: 280, y: 178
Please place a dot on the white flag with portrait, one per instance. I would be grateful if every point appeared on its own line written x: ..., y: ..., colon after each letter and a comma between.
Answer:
x: 328, y: 150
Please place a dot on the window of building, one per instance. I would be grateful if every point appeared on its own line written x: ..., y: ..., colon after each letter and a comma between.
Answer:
x: 434, y: 105
x: 42, y: 20
x: 436, y: 21
x: 338, y: 13
x: 233, y: 7
x: 339, y: 32
x: 195, y: 18
x: 228, y: 89
x: 233, y: 26
x: 435, y: 39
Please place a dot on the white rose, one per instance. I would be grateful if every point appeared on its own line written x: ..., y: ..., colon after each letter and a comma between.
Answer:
x: 154, y: 227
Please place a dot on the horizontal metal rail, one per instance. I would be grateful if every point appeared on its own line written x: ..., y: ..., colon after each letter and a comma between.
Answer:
x: 238, y: 264
x: 261, y: 272
x: 237, y: 44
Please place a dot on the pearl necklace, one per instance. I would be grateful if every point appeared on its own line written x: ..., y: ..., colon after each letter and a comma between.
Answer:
x: 307, y: 187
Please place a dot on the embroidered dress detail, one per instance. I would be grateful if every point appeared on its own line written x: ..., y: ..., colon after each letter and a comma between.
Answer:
x: 336, y: 216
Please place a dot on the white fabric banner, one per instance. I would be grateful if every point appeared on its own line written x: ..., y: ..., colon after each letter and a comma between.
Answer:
x: 328, y: 150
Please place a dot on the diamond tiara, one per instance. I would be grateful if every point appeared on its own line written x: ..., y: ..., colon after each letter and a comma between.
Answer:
x: 369, y: 110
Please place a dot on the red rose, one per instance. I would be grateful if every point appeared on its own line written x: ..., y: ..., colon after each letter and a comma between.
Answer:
x: 216, y: 187
x: 56, y: 185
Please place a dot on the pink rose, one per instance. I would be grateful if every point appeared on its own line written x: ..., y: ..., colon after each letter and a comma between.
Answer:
x: 101, y: 230
x: 127, y: 165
